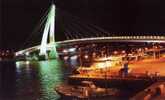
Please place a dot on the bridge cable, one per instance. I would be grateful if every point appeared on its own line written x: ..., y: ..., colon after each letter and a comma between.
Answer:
x: 77, y: 19
x: 79, y: 30
x: 83, y: 24
x: 38, y: 26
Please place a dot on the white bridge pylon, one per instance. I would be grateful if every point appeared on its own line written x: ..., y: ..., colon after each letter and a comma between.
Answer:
x: 48, y: 30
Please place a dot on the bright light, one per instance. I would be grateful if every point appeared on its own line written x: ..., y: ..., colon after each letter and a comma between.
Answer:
x: 7, y: 51
x: 123, y: 51
x: 105, y: 64
x: 27, y: 53
x: 107, y: 61
x: 18, y: 67
x: 146, y: 48
x: 74, y: 57
x: 115, y: 52
x: 86, y: 56
x: 72, y: 50
x: 65, y: 51
x: 27, y: 62
x: 66, y: 58
x: 139, y: 49
x: 103, y: 58
x: 100, y: 65
x: 16, y: 54
x: 18, y: 64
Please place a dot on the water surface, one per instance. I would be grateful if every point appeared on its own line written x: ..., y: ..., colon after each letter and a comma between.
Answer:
x: 31, y: 80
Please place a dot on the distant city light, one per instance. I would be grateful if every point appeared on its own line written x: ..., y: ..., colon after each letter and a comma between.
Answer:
x: 17, y: 64
x: 139, y: 49
x: 146, y: 48
x: 74, y: 57
x: 123, y: 51
x: 27, y: 62
x: 66, y: 58
x: 72, y: 50
x: 86, y: 56
x: 115, y: 52
x: 65, y: 51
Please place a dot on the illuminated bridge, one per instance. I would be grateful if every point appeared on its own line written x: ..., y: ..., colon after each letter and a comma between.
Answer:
x: 99, y: 39
x: 78, y: 38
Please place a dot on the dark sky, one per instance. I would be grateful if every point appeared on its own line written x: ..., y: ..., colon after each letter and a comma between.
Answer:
x: 20, y: 17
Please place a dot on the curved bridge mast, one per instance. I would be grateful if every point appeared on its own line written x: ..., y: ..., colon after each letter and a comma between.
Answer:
x: 49, y: 29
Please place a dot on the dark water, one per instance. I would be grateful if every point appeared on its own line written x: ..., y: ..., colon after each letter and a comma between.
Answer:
x: 31, y: 80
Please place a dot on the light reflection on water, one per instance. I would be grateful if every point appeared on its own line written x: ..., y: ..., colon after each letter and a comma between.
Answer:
x: 33, y: 80
x: 50, y: 75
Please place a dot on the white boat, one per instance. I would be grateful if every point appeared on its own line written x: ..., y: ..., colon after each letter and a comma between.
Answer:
x: 86, y: 90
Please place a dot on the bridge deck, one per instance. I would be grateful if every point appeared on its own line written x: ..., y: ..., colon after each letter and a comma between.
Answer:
x: 103, y: 39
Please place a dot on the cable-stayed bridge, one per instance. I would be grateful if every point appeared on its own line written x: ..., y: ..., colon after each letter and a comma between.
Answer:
x: 77, y: 32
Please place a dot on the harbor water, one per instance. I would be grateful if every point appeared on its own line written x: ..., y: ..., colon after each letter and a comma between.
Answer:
x: 33, y: 80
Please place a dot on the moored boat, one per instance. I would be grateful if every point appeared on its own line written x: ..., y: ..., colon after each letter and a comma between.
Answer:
x: 86, y: 90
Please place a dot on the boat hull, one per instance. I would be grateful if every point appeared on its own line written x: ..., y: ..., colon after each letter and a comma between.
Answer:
x: 69, y: 92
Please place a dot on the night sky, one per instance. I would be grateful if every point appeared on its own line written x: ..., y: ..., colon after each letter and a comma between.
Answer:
x: 20, y: 17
